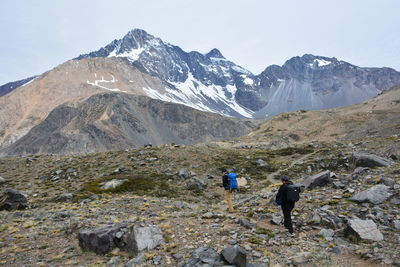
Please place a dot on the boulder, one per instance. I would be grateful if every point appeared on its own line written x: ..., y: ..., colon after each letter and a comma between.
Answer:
x: 67, y: 197
x: 246, y: 223
x: 300, y: 258
x: 396, y: 224
x: 327, y: 234
x: 235, y: 255
x: 11, y: 199
x: 114, y: 183
x: 260, y: 163
x: 319, y: 179
x: 132, y: 239
x: 183, y: 173
x: 204, y: 256
x: 2, y: 180
x: 370, y: 160
x: 196, y: 184
x: 363, y: 230
x: 375, y: 195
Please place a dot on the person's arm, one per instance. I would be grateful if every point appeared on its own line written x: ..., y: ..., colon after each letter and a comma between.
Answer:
x: 279, y: 196
x: 225, y: 181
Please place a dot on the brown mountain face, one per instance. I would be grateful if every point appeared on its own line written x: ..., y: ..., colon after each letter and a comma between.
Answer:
x: 118, y: 121
x: 72, y: 81
x: 378, y: 117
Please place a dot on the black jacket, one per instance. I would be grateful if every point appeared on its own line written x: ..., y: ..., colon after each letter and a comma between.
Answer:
x: 225, y: 181
x: 282, y: 195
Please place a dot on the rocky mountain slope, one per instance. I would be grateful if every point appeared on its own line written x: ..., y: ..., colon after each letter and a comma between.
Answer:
x: 112, y: 121
x: 378, y: 117
x: 176, y: 189
x: 142, y: 64
x: 210, y: 81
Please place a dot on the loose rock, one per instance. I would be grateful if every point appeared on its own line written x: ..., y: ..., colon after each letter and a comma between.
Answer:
x: 11, y: 199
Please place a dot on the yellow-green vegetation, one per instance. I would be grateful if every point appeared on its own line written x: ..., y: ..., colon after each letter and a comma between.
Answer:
x: 255, y: 240
x: 265, y: 231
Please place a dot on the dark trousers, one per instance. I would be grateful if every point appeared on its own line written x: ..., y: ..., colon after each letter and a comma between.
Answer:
x: 287, y: 217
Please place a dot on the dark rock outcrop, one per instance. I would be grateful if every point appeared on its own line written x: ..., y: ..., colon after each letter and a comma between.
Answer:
x: 113, y: 121
x: 11, y: 199
x: 370, y: 160
x: 319, y: 179
x: 235, y: 255
x: 127, y: 238
x: 375, y: 195
x: 363, y: 230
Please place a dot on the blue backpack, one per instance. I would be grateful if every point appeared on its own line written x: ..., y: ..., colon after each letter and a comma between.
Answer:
x: 233, y: 184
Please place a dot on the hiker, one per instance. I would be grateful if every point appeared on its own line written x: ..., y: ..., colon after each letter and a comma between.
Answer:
x: 286, y: 198
x: 229, y: 183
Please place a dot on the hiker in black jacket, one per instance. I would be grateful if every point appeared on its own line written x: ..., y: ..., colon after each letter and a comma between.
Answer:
x: 287, y: 206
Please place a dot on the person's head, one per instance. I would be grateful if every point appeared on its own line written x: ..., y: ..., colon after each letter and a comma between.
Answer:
x: 224, y: 171
x: 285, y: 179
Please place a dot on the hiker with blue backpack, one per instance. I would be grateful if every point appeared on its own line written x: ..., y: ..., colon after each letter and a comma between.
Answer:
x: 286, y: 197
x: 229, y: 182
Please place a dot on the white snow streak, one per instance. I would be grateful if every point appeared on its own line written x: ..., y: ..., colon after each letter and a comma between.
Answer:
x: 194, y: 94
x: 96, y: 83
x: 320, y: 62
x: 28, y: 82
x: 132, y: 55
x: 247, y: 80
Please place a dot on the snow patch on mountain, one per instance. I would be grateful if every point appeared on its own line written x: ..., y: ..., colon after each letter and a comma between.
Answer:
x: 96, y: 83
x: 247, y: 80
x: 131, y: 55
x: 195, y: 94
x: 320, y: 62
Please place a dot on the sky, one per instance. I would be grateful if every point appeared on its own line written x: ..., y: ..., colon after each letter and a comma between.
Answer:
x: 36, y: 36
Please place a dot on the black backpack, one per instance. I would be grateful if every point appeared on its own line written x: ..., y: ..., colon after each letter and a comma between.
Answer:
x: 293, y: 192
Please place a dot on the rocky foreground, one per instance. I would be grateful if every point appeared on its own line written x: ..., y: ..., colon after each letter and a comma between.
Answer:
x: 162, y: 206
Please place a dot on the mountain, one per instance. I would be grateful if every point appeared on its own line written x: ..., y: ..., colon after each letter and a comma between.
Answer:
x: 8, y: 87
x: 211, y: 82
x: 112, y: 121
x: 141, y: 64
x: 376, y: 118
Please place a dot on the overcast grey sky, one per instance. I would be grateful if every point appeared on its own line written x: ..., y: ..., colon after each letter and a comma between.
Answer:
x: 38, y: 35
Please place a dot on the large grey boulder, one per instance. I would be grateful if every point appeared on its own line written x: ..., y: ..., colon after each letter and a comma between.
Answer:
x: 132, y: 239
x: 319, y: 179
x: 375, y: 195
x: 205, y: 257
x: 363, y: 230
x: 196, y: 184
x: 370, y: 160
x: 11, y: 199
x: 235, y: 255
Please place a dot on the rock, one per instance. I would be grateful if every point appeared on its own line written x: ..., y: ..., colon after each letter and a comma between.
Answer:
x: 276, y: 219
x: 114, y: 183
x: 260, y: 163
x: 396, y: 224
x: 300, y: 258
x: 11, y: 199
x: 177, y: 256
x: 327, y: 234
x: 132, y: 239
x: 114, y: 261
x: 2, y: 180
x: 336, y: 250
x: 375, y: 195
x: 246, y: 223
x: 204, y: 256
x: 139, y: 259
x: 235, y: 255
x: 196, y: 184
x: 359, y: 170
x: 363, y: 229
x: 183, y: 173
x: 370, y: 160
x: 319, y: 179
x: 67, y: 197
x: 387, y: 181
